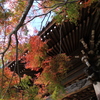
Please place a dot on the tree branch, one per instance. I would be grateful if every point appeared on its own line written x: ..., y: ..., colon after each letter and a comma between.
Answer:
x: 19, y: 24
x: 9, y: 41
x: 55, y: 6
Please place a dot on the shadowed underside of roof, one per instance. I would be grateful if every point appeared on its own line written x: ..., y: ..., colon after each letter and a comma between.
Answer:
x: 65, y: 38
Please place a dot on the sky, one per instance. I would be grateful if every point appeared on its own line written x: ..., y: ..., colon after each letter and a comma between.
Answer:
x: 36, y: 23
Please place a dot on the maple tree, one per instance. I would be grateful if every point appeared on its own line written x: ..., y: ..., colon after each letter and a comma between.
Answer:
x: 54, y: 68
x: 68, y: 10
x: 45, y: 83
x: 15, y: 17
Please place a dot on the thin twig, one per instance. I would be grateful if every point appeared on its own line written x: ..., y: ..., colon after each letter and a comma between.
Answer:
x: 42, y: 22
x: 53, y: 8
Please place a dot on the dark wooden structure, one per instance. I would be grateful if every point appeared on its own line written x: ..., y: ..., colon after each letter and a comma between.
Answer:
x: 19, y: 67
x: 65, y: 38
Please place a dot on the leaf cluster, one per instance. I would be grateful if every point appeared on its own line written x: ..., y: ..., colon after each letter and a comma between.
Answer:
x: 55, y: 69
x: 29, y: 92
x: 69, y: 11
x: 37, y: 52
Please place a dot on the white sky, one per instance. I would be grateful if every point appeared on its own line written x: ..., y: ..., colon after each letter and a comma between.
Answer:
x: 36, y: 23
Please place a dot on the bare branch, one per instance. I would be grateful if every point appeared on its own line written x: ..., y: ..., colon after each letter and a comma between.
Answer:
x: 48, y: 18
x: 9, y: 42
x: 53, y: 8
x: 42, y: 22
x: 2, y: 58
x: 44, y: 14
x: 59, y: 4
x: 17, y: 64
x: 24, y: 16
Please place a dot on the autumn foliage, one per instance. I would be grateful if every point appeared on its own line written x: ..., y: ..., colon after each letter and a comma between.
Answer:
x: 37, y: 53
x: 54, y: 68
x: 47, y: 82
x: 69, y: 11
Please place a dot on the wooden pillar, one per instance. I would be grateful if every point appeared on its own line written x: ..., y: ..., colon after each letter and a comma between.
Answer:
x: 92, y: 76
x: 97, y: 89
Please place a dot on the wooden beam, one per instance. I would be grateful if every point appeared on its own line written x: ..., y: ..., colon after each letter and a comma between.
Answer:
x: 74, y: 74
x: 76, y: 87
